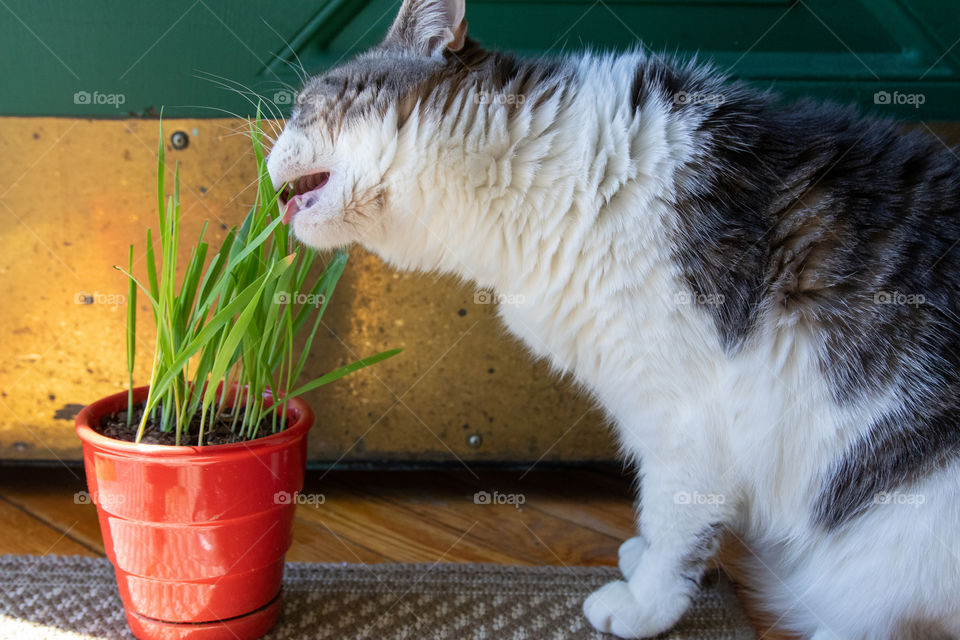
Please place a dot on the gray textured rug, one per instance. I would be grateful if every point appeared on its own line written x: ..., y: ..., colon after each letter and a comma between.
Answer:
x: 70, y: 597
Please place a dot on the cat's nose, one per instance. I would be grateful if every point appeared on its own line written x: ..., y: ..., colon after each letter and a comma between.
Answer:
x: 286, y: 158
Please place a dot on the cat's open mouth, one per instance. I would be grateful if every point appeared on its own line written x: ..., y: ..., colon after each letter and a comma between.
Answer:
x: 302, y: 193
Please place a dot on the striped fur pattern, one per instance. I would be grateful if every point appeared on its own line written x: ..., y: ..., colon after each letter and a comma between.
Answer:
x: 763, y: 297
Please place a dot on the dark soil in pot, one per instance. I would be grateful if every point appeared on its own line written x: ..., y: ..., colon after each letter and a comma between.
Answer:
x: 115, y: 426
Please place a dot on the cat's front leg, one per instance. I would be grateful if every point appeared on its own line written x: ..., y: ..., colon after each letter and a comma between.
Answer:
x: 682, y: 514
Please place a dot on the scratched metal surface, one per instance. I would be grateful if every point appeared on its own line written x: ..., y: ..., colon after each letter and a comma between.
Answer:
x: 74, y: 193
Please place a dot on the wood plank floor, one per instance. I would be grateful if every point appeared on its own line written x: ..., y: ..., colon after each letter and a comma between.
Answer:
x: 566, y: 518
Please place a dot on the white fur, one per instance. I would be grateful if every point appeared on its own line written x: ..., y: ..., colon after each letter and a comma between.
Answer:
x: 566, y: 209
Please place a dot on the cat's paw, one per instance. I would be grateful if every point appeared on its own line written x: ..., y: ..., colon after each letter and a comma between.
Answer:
x: 630, y: 553
x: 611, y: 609
x: 614, y: 609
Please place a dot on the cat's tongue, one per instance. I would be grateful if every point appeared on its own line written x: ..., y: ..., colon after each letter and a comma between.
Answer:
x: 290, y: 209
x: 305, y: 194
x: 299, y: 202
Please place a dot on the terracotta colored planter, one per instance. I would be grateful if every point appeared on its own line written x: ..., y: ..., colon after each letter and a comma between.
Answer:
x: 197, y: 535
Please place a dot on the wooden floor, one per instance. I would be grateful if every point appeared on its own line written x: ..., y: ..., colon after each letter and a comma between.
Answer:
x: 566, y: 518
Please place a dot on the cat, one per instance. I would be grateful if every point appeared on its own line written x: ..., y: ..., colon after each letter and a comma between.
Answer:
x: 762, y: 296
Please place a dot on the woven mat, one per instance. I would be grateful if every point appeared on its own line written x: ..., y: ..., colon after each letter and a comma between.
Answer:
x: 72, y: 597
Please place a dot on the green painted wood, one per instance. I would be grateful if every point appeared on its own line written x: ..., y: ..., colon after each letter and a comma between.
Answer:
x: 110, y: 58
x: 116, y: 57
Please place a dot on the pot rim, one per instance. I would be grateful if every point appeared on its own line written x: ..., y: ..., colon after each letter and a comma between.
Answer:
x: 296, y: 408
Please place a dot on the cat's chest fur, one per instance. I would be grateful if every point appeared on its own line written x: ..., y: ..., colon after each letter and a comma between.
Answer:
x: 567, y: 216
x: 608, y: 315
x: 611, y: 308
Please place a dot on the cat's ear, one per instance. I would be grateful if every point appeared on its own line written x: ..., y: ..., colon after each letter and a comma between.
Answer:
x: 427, y: 27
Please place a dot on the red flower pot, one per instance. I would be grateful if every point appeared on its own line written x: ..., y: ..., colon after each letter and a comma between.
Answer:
x: 197, y: 535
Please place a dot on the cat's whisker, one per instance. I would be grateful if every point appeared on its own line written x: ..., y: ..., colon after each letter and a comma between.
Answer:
x: 241, y: 191
x: 296, y: 70
x: 303, y: 75
x: 233, y: 86
x: 292, y: 92
x: 232, y: 114
x: 276, y: 118
x: 243, y: 91
x: 242, y: 130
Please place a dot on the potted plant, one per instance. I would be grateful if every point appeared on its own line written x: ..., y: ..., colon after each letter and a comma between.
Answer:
x: 194, y: 475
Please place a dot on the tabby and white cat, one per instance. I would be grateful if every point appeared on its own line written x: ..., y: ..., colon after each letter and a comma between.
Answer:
x: 762, y: 296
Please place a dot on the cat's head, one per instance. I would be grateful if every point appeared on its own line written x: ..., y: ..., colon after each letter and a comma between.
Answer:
x: 339, y: 143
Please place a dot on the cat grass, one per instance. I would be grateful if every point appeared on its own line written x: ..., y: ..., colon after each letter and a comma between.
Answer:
x: 226, y: 330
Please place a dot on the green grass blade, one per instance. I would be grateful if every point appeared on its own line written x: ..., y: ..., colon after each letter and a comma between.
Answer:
x: 340, y: 372
x: 152, y: 267
x: 131, y: 336
x: 221, y: 318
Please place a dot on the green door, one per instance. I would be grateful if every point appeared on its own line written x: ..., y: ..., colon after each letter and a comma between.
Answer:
x: 114, y: 58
